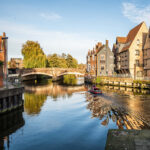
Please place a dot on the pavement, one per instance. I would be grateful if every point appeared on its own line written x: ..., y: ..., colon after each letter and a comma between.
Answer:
x: 128, y: 140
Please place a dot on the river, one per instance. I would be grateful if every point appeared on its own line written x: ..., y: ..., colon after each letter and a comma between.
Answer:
x: 58, y: 117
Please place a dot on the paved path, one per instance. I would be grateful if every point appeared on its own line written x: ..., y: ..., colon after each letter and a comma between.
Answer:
x: 128, y: 140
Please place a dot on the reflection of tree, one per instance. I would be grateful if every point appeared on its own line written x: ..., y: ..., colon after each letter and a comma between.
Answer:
x: 106, y: 111
x: 34, y: 102
x: 69, y: 79
x: 54, y: 90
x: 9, y: 123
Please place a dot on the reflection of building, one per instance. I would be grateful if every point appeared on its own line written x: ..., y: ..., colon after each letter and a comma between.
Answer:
x: 16, y: 63
x: 107, y: 111
x: 9, y: 123
x: 3, y: 58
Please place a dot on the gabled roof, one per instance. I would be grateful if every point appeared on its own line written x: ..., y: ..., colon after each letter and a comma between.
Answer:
x: 121, y: 39
x: 100, y: 48
x: 147, y: 43
x: 131, y: 35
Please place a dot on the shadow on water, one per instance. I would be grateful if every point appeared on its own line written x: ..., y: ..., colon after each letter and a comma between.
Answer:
x: 10, y: 123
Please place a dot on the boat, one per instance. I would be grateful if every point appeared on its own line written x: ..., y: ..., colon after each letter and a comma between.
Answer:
x: 95, y: 90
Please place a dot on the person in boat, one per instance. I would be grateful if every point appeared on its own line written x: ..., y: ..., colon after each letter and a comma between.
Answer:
x: 93, y: 87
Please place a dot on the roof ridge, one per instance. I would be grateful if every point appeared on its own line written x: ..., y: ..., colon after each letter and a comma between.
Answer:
x: 131, y: 35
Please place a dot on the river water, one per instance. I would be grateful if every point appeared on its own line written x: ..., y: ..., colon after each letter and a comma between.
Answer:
x: 57, y: 117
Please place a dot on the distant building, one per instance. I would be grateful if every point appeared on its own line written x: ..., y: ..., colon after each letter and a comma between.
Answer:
x: 128, y: 52
x: 3, y: 58
x: 105, y: 61
x: 100, y: 60
x: 92, y: 60
x: 146, y: 55
x: 16, y: 63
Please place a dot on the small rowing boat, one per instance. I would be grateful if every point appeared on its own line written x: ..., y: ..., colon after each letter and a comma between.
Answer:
x: 95, y: 90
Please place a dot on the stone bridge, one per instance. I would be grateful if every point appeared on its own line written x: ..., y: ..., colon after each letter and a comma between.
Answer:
x: 51, y: 72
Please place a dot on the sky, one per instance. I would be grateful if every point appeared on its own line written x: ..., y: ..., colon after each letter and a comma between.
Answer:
x: 69, y: 26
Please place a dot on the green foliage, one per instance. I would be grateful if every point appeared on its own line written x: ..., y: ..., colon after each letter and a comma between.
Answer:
x: 97, y: 80
x: 63, y: 61
x: 34, y: 56
x: 69, y: 79
x: 141, y: 82
x: 56, y: 61
x: 71, y: 62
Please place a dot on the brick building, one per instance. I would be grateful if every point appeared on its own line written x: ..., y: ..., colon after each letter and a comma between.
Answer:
x: 16, y: 63
x: 129, y: 53
x: 3, y: 58
x: 146, y: 55
x: 92, y: 60
x: 105, y: 61
x: 100, y: 60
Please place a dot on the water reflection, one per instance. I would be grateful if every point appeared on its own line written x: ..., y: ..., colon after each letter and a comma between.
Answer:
x: 36, y: 95
x: 109, y: 111
x: 33, y: 102
x: 10, y: 123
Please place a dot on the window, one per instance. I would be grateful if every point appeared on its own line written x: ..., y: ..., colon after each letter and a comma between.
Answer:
x: 145, y: 62
x: 137, y: 62
x: 138, y: 41
x: 102, y: 67
x: 137, y: 52
x: 102, y: 57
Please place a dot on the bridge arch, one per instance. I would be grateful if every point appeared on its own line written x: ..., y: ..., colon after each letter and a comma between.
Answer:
x: 36, y: 73
x: 74, y: 73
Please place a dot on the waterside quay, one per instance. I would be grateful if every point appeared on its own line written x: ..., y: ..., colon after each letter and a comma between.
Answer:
x: 10, y: 98
x: 121, y: 82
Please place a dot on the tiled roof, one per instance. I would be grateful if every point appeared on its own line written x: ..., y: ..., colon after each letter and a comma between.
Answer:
x: 100, y: 49
x: 131, y: 36
x: 121, y: 39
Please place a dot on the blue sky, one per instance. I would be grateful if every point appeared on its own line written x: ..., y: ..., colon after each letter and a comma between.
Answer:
x: 70, y: 26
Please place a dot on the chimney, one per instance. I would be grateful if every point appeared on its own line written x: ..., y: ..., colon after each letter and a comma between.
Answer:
x: 106, y: 43
x: 4, y: 34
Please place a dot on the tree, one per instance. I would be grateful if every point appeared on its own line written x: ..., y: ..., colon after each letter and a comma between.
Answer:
x: 34, y: 56
x: 56, y: 61
x: 71, y: 62
x: 53, y: 61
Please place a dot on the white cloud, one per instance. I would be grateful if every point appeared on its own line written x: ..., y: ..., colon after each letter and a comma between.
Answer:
x: 136, y: 14
x: 51, y: 41
x: 50, y: 16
